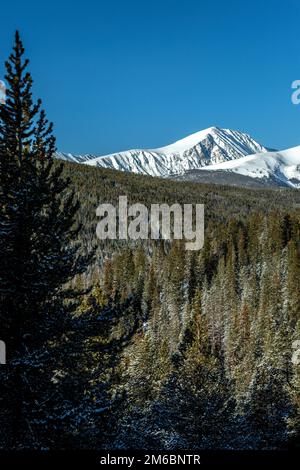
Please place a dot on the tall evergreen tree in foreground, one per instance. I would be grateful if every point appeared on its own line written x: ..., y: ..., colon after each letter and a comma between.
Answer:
x: 39, y: 255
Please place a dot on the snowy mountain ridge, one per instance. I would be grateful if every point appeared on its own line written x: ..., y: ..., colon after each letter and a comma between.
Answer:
x: 213, y: 152
x: 206, y: 147
x: 282, y: 168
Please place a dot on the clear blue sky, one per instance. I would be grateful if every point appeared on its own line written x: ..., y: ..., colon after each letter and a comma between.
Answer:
x: 120, y: 74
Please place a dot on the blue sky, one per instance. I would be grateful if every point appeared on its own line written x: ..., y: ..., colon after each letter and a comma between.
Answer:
x: 119, y: 74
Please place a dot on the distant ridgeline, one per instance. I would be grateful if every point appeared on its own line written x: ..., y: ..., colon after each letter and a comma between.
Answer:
x: 222, y: 156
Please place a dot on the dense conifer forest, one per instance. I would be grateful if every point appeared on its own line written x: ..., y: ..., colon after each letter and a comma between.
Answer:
x: 140, y: 345
x: 210, y: 365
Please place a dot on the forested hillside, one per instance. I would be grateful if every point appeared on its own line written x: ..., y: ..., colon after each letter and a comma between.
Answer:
x: 210, y: 364
x: 94, y: 186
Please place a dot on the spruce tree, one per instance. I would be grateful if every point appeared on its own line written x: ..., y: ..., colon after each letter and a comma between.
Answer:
x: 39, y: 256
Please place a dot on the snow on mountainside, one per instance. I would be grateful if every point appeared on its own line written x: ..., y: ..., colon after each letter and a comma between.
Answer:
x: 207, y: 147
x: 69, y: 157
x: 281, y: 168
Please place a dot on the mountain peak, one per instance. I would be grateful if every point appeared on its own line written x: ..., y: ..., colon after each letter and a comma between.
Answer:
x: 202, y: 148
x: 215, y: 143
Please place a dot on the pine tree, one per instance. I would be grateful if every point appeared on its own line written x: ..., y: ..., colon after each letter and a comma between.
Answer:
x: 39, y: 254
x: 294, y: 395
x: 267, y: 408
x: 194, y: 407
x: 91, y: 384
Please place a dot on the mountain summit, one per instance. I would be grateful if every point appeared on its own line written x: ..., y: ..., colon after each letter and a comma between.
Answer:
x: 216, y: 155
x: 203, y: 148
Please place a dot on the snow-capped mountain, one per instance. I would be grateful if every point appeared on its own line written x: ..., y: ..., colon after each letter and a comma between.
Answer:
x: 206, y: 147
x: 213, y: 155
x: 69, y: 157
x: 281, y: 168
